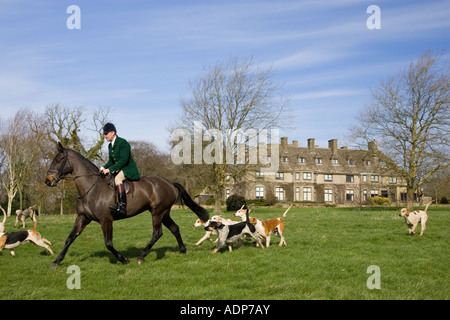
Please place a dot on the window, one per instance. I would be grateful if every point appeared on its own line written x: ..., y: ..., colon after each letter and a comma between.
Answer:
x: 335, y: 162
x: 351, y: 162
x: 307, y: 194
x: 385, y: 193
x: 279, y: 193
x: 328, y: 195
x: 349, y: 195
x: 284, y: 159
x: 373, y: 193
x: 349, y: 178
x: 227, y: 193
x: 364, y: 178
x: 328, y: 177
x: 259, y: 175
x: 306, y: 175
x: 367, y: 163
x: 297, y: 176
x: 374, y: 178
x: 279, y: 176
x: 297, y: 193
x: 392, y: 180
x: 301, y: 160
x: 365, y: 195
x: 318, y: 160
x: 259, y: 192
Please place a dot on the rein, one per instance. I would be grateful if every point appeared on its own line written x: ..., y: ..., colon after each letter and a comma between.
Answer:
x: 61, y: 168
x: 59, y: 175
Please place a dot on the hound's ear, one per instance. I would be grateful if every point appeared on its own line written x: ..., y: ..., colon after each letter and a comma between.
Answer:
x: 60, y: 147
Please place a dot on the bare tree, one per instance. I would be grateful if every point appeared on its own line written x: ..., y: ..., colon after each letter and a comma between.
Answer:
x: 19, y: 151
x: 409, y: 115
x: 227, y: 97
x: 66, y: 124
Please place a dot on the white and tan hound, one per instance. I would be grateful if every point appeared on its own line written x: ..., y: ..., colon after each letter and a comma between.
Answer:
x: 11, y: 240
x: 265, y: 228
x: 412, y: 219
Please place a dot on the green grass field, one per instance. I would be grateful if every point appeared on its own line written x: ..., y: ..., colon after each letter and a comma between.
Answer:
x: 328, y: 253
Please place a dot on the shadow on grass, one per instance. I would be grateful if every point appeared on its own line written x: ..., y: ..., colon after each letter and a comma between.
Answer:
x: 132, y: 253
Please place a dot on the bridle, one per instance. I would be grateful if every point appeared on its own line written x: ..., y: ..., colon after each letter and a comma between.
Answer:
x: 59, y: 172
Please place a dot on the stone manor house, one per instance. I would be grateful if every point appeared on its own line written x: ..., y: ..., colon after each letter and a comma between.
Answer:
x: 316, y: 175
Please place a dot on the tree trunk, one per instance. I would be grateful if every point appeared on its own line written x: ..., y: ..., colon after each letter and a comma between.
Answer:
x: 218, y: 203
x: 409, y: 198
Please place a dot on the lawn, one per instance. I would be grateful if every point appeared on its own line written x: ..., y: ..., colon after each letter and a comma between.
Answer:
x: 329, y: 251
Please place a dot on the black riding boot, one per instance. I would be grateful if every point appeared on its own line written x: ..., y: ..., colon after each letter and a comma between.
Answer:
x: 121, y: 206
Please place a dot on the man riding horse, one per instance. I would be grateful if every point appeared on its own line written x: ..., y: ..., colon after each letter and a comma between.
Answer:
x: 120, y: 164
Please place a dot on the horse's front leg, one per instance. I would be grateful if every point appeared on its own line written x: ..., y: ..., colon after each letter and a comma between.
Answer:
x: 80, y: 223
x: 107, y: 227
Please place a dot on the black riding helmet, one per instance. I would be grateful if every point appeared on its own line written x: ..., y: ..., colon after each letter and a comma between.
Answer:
x: 108, y: 128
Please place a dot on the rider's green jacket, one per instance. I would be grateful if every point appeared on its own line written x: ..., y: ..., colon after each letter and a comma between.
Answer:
x: 120, y: 159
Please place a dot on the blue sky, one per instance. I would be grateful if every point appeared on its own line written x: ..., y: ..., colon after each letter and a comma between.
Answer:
x: 137, y: 56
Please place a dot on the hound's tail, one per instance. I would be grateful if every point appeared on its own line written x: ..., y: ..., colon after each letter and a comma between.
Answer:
x: 35, y: 223
x: 250, y: 226
x: 198, y: 210
x: 428, y: 205
x: 284, y: 214
x: 4, y: 214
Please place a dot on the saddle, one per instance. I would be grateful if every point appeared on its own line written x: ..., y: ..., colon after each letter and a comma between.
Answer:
x: 129, y: 185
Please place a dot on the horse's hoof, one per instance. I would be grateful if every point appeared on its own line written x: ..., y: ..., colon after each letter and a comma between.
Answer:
x: 54, y: 265
x: 140, y: 261
x: 183, y: 250
x: 126, y: 261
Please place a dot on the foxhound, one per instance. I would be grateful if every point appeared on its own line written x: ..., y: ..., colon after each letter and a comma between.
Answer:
x: 265, y: 228
x: 232, y: 233
x: 217, y: 218
x: 412, y: 219
x: 11, y: 240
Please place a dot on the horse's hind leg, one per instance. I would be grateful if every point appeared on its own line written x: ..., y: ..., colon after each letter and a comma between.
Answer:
x: 173, y: 227
x: 107, y: 227
x: 157, y: 233
x: 80, y: 223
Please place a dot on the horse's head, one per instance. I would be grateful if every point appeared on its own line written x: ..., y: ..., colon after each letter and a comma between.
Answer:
x: 59, y: 167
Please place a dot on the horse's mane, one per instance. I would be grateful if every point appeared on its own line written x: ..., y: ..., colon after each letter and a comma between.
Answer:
x: 86, y: 161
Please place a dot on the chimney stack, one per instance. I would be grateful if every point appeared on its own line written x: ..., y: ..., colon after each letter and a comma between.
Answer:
x: 373, y: 146
x: 311, y: 142
x: 333, y: 145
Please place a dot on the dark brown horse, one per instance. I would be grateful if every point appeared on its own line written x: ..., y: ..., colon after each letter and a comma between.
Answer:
x: 151, y: 193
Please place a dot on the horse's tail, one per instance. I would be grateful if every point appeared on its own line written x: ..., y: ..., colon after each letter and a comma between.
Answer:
x: 198, y: 210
